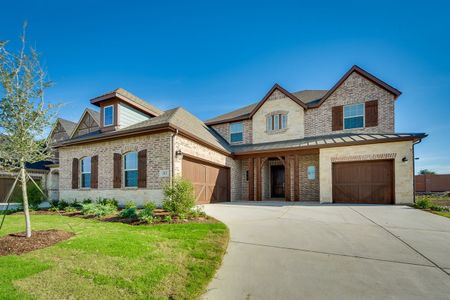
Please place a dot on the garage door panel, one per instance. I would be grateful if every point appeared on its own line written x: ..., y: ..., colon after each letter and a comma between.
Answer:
x: 211, y: 183
x: 363, y: 182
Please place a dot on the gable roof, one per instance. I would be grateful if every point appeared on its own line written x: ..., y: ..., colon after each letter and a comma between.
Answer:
x: 68, y: 126
x: 175, y: 119
x: 305, y: 96
x: 309, y: 98
x: 95, y: 116
x: 365, y: 74
x: 130, y: 99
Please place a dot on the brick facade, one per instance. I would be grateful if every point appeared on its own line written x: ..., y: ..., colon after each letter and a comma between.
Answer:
x: 356, y: 89
x: 224, y: 131
x: 158, y: 158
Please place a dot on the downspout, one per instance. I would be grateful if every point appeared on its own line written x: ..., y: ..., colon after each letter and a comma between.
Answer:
x: 414, y: 169
x: 172, y: 156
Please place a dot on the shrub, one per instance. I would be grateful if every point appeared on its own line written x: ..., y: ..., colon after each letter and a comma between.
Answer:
x: 98, y: 210
x: 197, y: 212
x: 62, y: 204
x: 146, y: 214
x: 70, y: 209
x: 76, y: 205
x: 87, y: 201
x: 423, y: 202
x: 168, y: 218
x: 129, y: 211
x: 179, y: 197
x: 106, y: 201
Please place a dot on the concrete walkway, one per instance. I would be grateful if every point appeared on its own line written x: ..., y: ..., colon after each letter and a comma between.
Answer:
x: 283, y: 251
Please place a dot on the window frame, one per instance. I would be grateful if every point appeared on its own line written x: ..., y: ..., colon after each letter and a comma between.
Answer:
x: 237, y: 132
x: 112, y: 115
x: 82, y: 186
x: 125, y: 170
x: 276, y: 122
x: 363, y: 115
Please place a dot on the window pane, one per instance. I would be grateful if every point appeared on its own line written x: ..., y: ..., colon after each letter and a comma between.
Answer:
x: 130, y: 161
x: 311, y: 172
x: 86, y: 165
x: 236, y: 137
x: 236, y: 127
x: 269, y: 123
x: 355, y: 122
x: 353, y: 110
x: 131, y: 178
x: 86, y: 180
x: 283, y: 121
x: 276, y: 122
x: 108, y: 112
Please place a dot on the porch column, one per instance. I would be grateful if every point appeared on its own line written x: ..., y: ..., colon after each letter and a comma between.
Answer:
x: 287, y: 167
x: 251, y: 180
x: 296, y: 179
x: 258, y: 179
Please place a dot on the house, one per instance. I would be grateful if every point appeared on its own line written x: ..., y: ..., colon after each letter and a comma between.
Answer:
x: 336, y: 145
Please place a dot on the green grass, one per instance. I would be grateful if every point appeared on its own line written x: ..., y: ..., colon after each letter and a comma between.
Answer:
x: 114, y: 261
x: 442, y: 213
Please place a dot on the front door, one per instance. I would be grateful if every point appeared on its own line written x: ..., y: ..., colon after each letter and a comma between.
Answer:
x: 277, y: 181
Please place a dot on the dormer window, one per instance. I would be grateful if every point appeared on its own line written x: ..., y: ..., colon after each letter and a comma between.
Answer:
x: 236, y: 132
x: 108, y: 115
x: 276, y: 122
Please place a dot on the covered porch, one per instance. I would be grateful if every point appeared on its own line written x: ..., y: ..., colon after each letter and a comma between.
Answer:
x: 285, y: 176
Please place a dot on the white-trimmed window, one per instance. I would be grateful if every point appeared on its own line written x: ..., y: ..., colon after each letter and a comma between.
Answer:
x: 108, y: 115
x: 354, y: 116
x: 130, y: 169
x: 276, y: 122
x: 85, y: 172
x: 236, y: 132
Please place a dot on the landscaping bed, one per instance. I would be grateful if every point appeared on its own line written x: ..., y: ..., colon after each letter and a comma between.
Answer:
x: 437, y: 203
x: 18, y: 243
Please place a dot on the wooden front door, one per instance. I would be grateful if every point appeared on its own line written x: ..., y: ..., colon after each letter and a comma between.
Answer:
x: 369, y: 182
x: 277, y: 181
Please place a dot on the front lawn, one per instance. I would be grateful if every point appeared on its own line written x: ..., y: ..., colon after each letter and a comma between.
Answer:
x: 436, y: 203
x: 107, y: 260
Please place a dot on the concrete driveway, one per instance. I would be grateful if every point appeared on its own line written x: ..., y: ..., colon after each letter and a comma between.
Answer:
x: 283, y: 251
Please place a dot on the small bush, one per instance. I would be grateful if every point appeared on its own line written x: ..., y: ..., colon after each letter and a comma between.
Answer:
x: 70, y: 209
x: 423, y: 202
x: 54, y: 203
x: 62, y: 204
x: 87, y: 201
x: 54, y: 208
x: 98, y: 210
x: 129, y: 211
x: 106, y: 201
x: 146, y: 214
x: 179, y: 197
x: 76, y: 205
x: 197, y: 213
x: 168, y: 218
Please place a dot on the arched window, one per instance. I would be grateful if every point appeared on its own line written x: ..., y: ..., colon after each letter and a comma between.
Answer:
x: 86, y: 172
x: 130, y: 169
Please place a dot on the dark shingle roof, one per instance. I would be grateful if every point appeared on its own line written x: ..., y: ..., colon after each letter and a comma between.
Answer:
x: 306, y: 96
x: 177, y: 117
x: 126, y: 95
x: 68, y: 126
x: 326, y: 141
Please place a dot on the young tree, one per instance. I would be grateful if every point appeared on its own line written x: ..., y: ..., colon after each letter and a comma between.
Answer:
x: 24, y: 117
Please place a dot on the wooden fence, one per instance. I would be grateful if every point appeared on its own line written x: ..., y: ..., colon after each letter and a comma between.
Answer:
x: 432, y: 183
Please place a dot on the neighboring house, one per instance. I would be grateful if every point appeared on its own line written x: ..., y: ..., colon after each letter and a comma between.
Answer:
x: 336, y: 145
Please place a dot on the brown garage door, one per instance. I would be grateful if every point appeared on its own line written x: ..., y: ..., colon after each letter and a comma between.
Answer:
x: 364, y: 182
x: 211, y: 183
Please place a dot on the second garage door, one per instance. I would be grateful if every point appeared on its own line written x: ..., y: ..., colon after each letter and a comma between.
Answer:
x: 369, y: 182
x: 211, y: 183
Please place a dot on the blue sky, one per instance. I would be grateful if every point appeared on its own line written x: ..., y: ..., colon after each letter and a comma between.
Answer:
x: 212, y: 57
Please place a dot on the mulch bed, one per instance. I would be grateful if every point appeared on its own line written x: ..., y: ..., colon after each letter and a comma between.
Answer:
x: 158, y: 213
x: 18, y: 243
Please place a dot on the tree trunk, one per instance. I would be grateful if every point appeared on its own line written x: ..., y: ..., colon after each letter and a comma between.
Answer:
x: 25, y: 200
